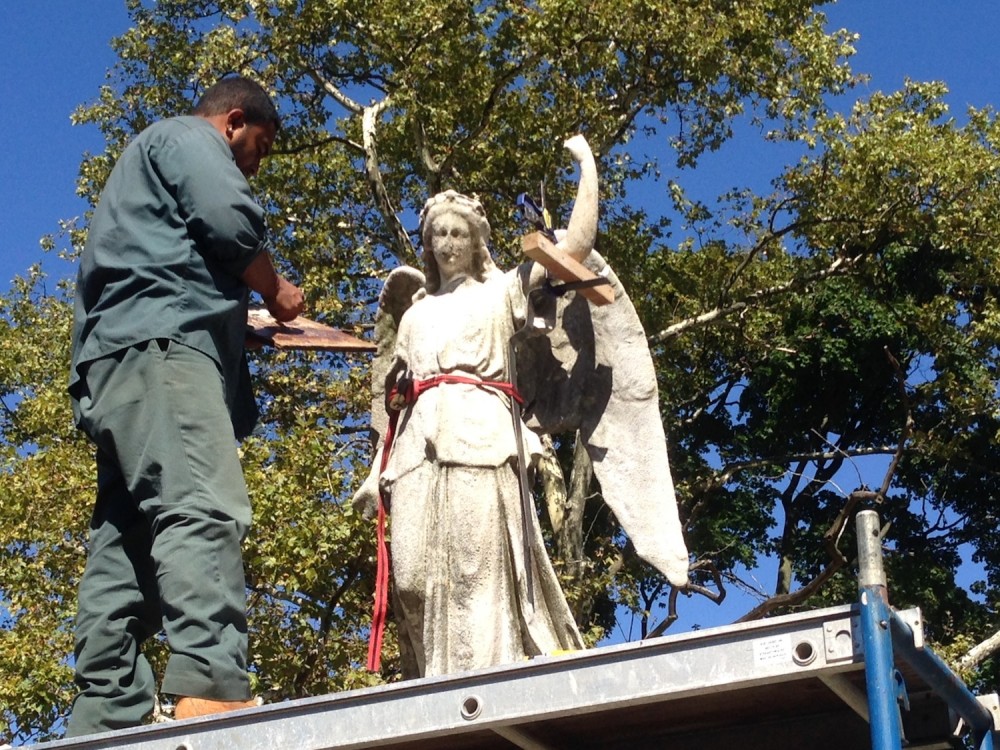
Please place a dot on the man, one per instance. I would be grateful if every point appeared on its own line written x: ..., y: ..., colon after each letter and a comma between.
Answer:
x: 159, y: 382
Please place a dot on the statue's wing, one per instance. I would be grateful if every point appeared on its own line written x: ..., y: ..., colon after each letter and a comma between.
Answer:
x: 589, y: 368
x: 396, y: 297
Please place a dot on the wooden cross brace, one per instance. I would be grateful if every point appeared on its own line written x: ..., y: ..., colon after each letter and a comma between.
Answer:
x: 543, y: 251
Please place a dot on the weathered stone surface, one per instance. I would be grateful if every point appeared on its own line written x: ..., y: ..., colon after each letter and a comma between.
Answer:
x: 472, y: 583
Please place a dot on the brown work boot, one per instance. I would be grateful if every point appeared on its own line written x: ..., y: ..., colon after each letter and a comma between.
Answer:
x: 189, y: 708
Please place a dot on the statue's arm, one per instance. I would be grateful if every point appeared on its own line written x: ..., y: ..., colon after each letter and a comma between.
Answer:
x: 581, y: 232
x: 365, y: 500
x: 394, y: 301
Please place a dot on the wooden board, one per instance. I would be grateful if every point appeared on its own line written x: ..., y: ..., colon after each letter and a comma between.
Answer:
x: 543, y: 251
x: 302, y: 333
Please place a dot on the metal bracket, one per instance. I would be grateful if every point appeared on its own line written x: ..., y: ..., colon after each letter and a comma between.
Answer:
x: 914, y: 618
x: 842, y: 640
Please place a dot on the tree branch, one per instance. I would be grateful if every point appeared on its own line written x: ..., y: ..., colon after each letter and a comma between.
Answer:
x: 980, y: 652
x: 320, y: 143
x: 786, y: 600
x: 341, y: 98
x: 402, y: 248
x: 317, y: 663
x: 838, y: 267
x: 717, y: 596
x: 904, y: 434
x: 770, y: 237
x: 832, y: 536
x: 730, y: 470
x: 553, y: 488
x: 501, y: 82
x: 432, y: 167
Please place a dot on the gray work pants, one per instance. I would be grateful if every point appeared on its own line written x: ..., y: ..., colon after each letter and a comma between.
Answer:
x: 171, y: 513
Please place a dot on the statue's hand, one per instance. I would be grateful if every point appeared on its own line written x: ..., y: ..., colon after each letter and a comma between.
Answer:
x: 582, y: 230
x: 578, y: 148
x: 365, y: 500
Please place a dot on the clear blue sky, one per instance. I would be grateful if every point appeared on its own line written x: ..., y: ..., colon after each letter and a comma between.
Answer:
x: 55, y: 54
x: 54, y: 57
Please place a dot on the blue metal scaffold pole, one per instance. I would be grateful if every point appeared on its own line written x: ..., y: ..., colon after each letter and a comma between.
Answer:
x: 883, y: 631
x: 880, y: 669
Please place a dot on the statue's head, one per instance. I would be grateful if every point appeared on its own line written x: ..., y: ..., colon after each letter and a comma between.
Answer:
x: 469, y: 210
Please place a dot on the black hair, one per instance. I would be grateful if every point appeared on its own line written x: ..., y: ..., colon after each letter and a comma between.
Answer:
x: 237, y: 92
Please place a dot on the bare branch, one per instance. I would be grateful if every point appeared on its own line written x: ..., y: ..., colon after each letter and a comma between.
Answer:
x: 831, y: 540
x: 832, y: 536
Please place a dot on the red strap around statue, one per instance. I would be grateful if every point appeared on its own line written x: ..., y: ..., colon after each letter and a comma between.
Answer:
x: 381, y: 562
x: 403, y: 394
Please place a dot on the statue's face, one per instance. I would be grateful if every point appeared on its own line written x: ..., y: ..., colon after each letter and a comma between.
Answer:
x: 453, y: 245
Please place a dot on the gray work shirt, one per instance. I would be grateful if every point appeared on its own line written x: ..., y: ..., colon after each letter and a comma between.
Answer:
x: 175, y: 228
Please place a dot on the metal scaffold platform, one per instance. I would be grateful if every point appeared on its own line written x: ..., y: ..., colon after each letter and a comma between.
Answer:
x: 841, y: 678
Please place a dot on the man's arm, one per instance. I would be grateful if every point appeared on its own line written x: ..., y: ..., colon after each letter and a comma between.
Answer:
x: 282, y: 297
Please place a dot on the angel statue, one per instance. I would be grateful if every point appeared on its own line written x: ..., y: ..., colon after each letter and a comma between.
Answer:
x: 457, y: 435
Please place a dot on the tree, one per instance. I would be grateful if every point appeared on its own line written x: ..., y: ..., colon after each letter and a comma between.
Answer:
x: 850, y: 313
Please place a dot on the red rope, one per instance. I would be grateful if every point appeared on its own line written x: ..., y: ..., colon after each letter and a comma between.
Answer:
x: 382, y: 562
x: 407, y: 391
x: 403, y: 394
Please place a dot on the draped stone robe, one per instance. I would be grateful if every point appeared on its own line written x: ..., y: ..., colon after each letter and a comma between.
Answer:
x: 456, y: 524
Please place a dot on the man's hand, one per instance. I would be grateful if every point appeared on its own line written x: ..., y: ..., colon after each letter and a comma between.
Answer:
x: 282, y: 297
x: 286, y: 303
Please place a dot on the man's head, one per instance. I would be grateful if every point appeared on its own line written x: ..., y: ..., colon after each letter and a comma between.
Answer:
x: 246, y: 117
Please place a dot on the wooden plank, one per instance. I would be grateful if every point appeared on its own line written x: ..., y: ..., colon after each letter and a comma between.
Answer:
x: 302, y: 333
x: 543, y: 251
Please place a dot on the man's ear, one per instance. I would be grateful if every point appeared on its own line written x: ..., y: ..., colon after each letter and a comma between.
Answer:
x: 235, y: 121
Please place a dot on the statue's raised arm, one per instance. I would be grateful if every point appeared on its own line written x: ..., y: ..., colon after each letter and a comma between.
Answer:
x: 472, y: 584
x: 581, y: 234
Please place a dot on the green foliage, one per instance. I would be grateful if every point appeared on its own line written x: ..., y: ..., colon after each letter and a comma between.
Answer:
x: 802, y: 338
x: 47, y: 475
